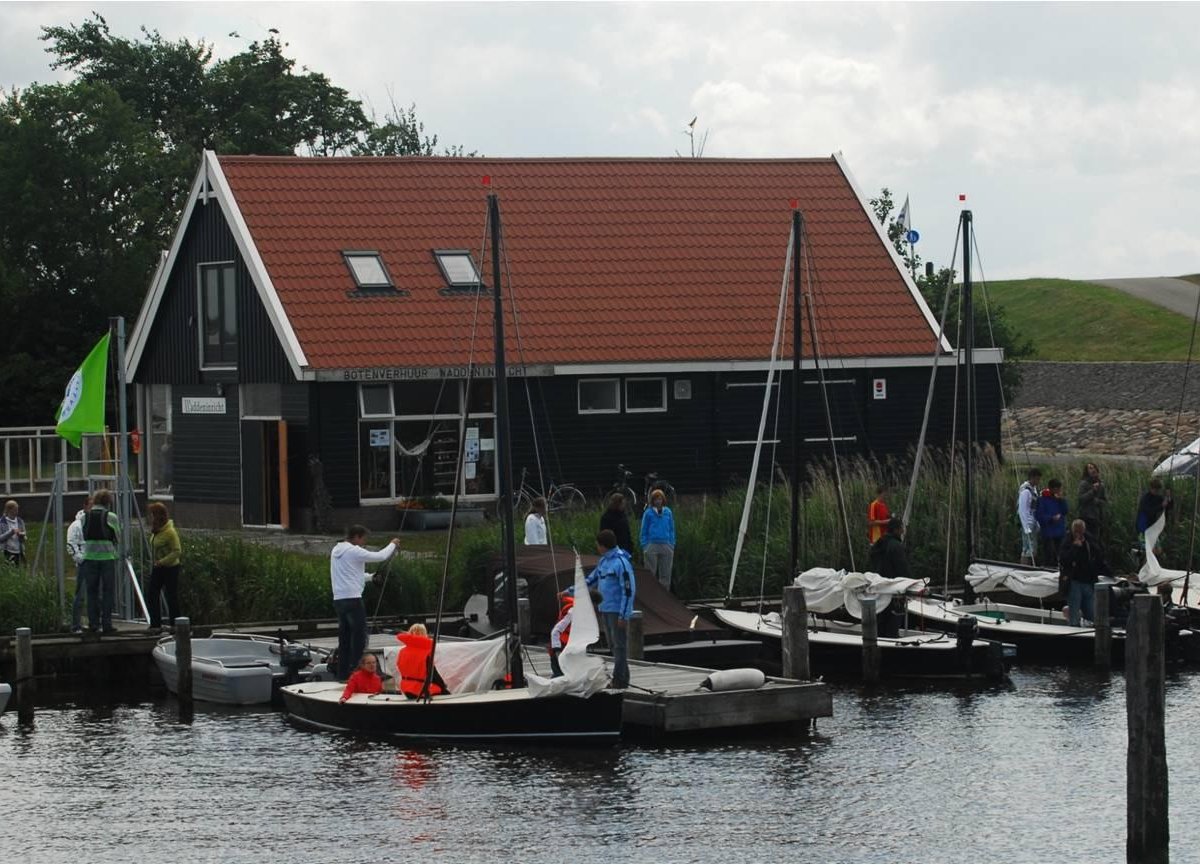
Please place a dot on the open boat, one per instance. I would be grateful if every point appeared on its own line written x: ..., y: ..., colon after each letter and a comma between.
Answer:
x: 575, y: 708
x: 235, y: 669
x: 5, y: 693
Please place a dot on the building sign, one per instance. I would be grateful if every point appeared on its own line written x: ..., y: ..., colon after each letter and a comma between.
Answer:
x: 879, y: 388
x: 431, y: 373
x: 203, y: 405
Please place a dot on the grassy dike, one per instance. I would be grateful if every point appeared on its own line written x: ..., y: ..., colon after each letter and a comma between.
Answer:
x: 230, y: 579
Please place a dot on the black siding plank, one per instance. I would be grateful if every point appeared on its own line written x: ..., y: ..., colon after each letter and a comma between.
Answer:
x: 334, y: 414
x: 207, y: 450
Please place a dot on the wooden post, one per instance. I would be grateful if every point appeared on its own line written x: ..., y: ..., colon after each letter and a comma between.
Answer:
x: 24, y: 675
x: 795, y: 634
x: 1148, y: 832
x: 1103, y: 641
x: 183, y: 662
x: 285, y: 517
x: 870, y: 641
x: 524, y: 621
x: 637, y: 636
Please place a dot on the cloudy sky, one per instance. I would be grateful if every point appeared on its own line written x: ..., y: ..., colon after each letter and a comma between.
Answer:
x: 1074, y: 129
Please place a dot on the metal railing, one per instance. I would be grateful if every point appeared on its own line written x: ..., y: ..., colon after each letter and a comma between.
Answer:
x: 30, y: 454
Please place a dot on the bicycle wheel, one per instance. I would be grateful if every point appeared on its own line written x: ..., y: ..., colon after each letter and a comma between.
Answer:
x: 522, y: 502
x: 567, y: 498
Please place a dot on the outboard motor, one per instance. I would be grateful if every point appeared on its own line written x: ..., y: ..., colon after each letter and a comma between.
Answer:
x: 293, y: 659
x: 1121, y: 594
x: 965, y: 632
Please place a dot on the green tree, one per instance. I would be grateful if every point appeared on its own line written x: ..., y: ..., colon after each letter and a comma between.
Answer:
x: 992, y: 328
x: 94, y: 173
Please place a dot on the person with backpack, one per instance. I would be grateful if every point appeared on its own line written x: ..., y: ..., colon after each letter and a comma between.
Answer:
x: 1051, y: 515
x: 101, y: 535
x: 1027, y: 496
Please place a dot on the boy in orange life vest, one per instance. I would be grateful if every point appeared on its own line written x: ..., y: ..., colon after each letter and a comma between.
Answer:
x: 878, y: 515
x: 413, y: 664
x: 562, y: 632
x: 364, y: 680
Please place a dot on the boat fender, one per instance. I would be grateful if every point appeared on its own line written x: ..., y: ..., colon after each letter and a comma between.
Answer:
x: 743, y: 679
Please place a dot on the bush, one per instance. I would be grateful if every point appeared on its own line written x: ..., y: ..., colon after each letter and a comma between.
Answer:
x: 27, y: 601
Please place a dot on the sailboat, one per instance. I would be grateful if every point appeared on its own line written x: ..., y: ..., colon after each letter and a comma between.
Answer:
x: 1039, y: 632
x: 576, y: 708
x: 836, y: 645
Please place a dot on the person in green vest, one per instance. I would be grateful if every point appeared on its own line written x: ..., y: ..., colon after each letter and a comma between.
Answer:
x: 101, y: 534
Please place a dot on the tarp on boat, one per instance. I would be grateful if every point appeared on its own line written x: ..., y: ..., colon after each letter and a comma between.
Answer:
x: 468, y: 667
x: 548, y: 570
x: 1152, y: 572
x: 583, y: 674
x: 827, y: 590
x: 987, y: 577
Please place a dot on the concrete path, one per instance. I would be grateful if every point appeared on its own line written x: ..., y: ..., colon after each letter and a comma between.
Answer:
x: 1177, y: 295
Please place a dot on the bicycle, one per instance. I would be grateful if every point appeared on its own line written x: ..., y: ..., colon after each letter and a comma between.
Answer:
x: 621, y: 485
x: 651, y: 482
x: 559, y: 497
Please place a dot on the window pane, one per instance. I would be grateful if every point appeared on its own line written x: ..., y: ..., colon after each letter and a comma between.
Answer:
x: 482, y: 400
x: 229, y: 316
x: 645, y: 394
x: 427, y: 397
x: 261, y: 400
x: 212, y: 309
x: 599, y: 395
x: 460, y: 269
x: 374, y: 453
x: 479, y: 460
x: 426, y: 455
x: 159, y: 446
x: 368, y: 270
x: 377, y: 399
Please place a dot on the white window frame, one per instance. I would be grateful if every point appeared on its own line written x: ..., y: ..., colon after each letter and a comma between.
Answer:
x: 151, y: 442
x: 362, y: 403
x: 476, y: 283
x: 389, y: 284
x: 616, y: 383
x: 201, y: 321
x: 662, y: 391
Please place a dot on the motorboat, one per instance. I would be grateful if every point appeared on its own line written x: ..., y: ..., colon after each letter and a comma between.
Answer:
x: 235, y: 669
x: 5, y: 693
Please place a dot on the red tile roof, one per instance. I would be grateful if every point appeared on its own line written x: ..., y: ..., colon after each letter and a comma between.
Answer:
x: 612, y: 260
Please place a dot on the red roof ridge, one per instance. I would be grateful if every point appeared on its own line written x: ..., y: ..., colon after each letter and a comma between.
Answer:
x: 308, y: 160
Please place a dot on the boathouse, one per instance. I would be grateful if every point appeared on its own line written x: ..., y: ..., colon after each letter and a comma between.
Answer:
x: 308, y: 334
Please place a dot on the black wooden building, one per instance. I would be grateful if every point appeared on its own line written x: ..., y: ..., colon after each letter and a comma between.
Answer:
x: 311, y: 328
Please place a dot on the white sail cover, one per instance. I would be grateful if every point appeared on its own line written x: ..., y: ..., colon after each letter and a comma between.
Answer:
x: 1181, y: 462
x: 1153, y: 573
x: 469, y: 667
x: 827, y: 590
x: 1030, y: 582
x: 583, y: 674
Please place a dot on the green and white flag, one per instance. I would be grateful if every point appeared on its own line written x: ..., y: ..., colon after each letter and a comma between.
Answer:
x: 82, y: 409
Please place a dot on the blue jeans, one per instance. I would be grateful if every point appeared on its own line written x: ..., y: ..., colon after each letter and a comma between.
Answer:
x: 618, y: 644
x: 101, y: 577
x: 352, y: 634
x: 1079, y: 598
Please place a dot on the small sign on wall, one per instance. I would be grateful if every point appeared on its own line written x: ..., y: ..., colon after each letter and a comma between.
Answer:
x: 879, y: 388
x: 203, y: 404
x: 381, y: 438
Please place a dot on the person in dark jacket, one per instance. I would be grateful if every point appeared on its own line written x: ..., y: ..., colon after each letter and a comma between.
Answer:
x: 616, y: 520
x: 1051, y: 514
x: 889, y: 559
x: 1154, y: 503
x: 1082, y: 563
x: 1093, y: 499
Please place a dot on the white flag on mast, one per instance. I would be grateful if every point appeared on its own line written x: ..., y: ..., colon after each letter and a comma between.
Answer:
x: 904, y: 218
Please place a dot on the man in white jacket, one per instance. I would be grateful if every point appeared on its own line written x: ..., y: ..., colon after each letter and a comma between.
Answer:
x: 1027, y: 496
x: 348, y: 574
x: 75, y: 548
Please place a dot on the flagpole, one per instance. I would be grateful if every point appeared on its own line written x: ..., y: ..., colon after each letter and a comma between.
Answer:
x: 123, y: 486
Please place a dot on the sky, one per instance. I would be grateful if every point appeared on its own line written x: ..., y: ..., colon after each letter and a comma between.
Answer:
x: 1073, y: 129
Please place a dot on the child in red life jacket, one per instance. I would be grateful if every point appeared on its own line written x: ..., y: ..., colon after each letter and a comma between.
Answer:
x: 562, y: 632
x: 413, y: 664
x: 364, y: 680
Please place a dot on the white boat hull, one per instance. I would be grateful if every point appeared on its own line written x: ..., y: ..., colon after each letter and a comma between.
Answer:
x: 234, y: 672
x: 5, y: 693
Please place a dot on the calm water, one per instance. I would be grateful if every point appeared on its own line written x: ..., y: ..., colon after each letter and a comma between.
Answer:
x: 1032, y: 772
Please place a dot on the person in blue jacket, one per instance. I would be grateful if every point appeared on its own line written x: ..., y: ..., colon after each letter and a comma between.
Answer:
x: 613, y: 575
x: 1051, y: 515
x: 658, y: 538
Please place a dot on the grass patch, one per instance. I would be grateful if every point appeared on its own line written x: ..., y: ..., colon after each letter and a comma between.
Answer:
x: 1081, y: 321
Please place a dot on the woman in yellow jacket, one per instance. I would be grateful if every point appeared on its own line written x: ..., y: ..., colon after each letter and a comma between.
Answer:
x: 164, y: 578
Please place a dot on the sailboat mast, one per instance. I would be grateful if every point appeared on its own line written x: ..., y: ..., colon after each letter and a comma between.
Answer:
x: 503, y: 441
x: 969, y: 364
x: 797, y: 322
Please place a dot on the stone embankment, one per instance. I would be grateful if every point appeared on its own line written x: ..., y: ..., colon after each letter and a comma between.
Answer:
x: 1123, y: 410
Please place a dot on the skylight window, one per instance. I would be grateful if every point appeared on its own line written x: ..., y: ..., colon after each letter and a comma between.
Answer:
x: 457, y: 268
x: 368, y: 270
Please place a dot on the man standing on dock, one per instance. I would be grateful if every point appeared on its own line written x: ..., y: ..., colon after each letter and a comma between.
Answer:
x: 348, y: 574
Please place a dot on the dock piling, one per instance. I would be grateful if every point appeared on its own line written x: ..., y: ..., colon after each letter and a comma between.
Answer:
x: 1103, y: 641
x: 183, y: 662
x: 24, y: 675
x: 1148, y: 832
x: 870, y: 642
x: 795, y: 634
x: 637, y: 636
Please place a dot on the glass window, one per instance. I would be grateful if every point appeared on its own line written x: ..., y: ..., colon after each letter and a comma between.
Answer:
x: 375, y: 459
x: 483, y: 396
x: 261, y: 401
x: 426, y: 456
x: 599, y: 396
x: 159, y: 444
x: 368, y: 270
x: 479, y: 457
x: 458, y: 268
x: 375, y: 400
x: 427, y: 398
x: 645, y: 394
x: 219, y: 314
